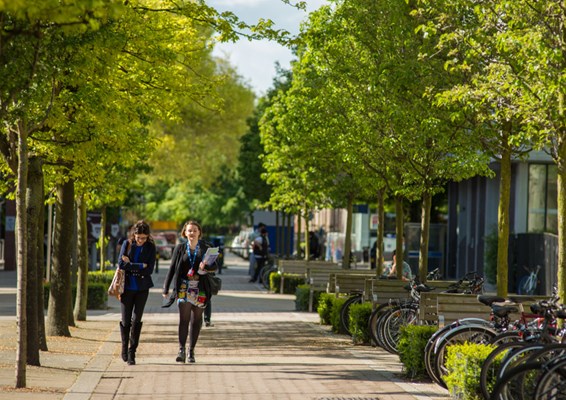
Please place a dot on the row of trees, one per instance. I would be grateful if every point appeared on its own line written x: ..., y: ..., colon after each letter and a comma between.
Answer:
x: 93, y: 95
x: 393, y: 99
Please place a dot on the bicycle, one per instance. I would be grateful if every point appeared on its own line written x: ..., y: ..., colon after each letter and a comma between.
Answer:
x: 528, y: 284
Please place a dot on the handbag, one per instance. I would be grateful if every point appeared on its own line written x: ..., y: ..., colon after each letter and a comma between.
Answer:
x: 116, y: 287
x: 215, y: 283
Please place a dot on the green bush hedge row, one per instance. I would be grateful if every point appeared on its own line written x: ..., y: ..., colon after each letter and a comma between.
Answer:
x: 412, y: 342
x: 97, y: 297
x: 464, y: 361
x: 290, y: 283
x: 302, y: 294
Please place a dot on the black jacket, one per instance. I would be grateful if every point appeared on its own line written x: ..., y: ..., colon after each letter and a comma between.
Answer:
x: 180, y: 266
x: 133, y: 269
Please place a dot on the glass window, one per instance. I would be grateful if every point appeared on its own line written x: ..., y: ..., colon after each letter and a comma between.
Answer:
x: 542, y: 209
x: 552, y: 200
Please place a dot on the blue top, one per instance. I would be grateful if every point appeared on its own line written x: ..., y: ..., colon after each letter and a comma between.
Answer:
x: 138, y: 277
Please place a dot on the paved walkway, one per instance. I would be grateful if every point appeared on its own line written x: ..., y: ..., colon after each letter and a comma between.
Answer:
x: 258, y: 348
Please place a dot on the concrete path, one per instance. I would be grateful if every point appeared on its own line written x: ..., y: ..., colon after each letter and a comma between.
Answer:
x: 258, y: 348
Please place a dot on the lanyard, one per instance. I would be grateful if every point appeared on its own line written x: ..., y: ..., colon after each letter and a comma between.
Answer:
x: 192, y: 258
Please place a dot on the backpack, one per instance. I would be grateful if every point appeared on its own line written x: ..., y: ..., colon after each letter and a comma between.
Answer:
x: 263, y: 249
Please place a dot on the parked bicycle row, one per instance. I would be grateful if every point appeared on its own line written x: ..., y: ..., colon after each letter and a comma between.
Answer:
x: 528, y: 358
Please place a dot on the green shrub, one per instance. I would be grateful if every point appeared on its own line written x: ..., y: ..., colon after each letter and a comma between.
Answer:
x: 97, y: 296
x: 302, y: 294
x: 101, y: 277
x: 291, y: 282
x: 464, y: 362
x: 324, y: 307
x: 358, y: 324
x: 412, y: 342
x: 335, y: 314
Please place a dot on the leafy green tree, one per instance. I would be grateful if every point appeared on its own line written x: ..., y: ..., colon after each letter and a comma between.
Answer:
x: 492, y: 95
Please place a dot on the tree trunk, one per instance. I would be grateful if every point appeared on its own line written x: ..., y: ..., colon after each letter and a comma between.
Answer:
x: 289, y: 235
x: 380, y: 231
x: 40, y: 243
x: 399, y: 235
x: 34, y: 206
x: 425, y: 235
x: 60, y: 289
x: 503, y: 224
x: 307, y: 239
x: 561, y: 273
x: 348, y: 239
x: 82, y: 259
x: 277, y: 234
x: 21, y: 224
x: 298, y: 244
x: 102, y: 239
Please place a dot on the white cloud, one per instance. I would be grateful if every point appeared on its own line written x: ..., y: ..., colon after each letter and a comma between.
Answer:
x: 255, y: 60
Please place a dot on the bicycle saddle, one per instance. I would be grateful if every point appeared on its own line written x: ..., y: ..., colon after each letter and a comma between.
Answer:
x: 502, y: 311
x: 423, y: 287
x: 488, y: 300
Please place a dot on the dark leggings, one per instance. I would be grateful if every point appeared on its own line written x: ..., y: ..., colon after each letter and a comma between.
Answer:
x: 189, y: 313
x: 133, y: 304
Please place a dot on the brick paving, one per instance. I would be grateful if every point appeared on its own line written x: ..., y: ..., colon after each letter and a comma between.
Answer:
x: 258, y: 348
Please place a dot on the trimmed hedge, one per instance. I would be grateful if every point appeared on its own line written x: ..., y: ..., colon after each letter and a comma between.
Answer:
x: 324, y: 307
x: 412, y: 342
x: 97, y: 296
x: 302, y: 294
x: 101, y: 277
x: 358, y: 324
x: 291, y: 283
x: 335, y: 314
x: 464, y: 362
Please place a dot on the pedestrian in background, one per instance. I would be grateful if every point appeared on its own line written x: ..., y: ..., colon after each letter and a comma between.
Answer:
x: 191, y: 287
x: 137, y: 259
x: 260, y: 252
x: 249, y: 244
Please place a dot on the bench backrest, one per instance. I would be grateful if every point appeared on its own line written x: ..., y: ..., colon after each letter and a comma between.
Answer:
x: 349, y: 281
x: 319, y: 277
x: 445, y: 308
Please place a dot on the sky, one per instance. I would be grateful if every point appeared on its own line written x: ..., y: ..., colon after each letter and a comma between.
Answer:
x: 255, y: 61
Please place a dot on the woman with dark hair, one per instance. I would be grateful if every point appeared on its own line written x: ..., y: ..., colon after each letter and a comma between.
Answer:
x: 191, y: 287
x: 137, y: 259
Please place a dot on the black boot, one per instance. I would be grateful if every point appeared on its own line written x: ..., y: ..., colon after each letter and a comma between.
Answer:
x: 134, y: 341
x: 125, y: 332
x: 191, y: 358
x: 182, y: 355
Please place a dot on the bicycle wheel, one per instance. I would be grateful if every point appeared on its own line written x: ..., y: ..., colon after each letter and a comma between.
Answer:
x: 462, y: 334
x: 399, y: 317
x: 517, y: 357
x: 381, y: 330
x: 552, y: 384
x: 490, y: 366
x: 264, y: 277
x: 345, y: 312
x: 429, y: 355
x: 518, y: 383
x: 372, y: 322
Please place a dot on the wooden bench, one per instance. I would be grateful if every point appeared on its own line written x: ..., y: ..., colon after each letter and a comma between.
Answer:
x: 300, y: 267
x: 349, y: 281
x: 318, y: 276
x: 381, y: 291
x: 452, y: 306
